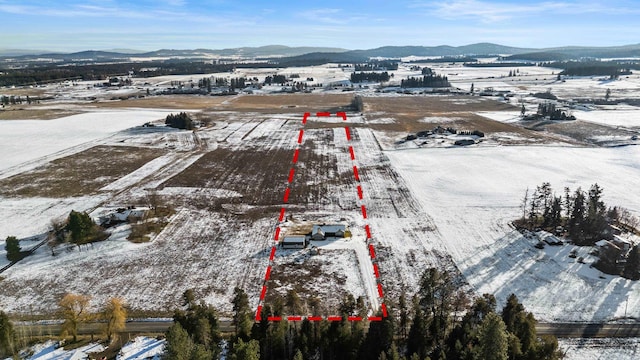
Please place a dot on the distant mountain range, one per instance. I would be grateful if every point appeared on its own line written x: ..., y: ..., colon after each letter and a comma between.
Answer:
x: 325, y: 54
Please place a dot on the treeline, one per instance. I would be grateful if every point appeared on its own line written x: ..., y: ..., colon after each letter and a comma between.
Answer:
x: 180, y: 121
x: 497, y: 64
x: 377, y: 65
x: 275, y: 79
x: 432, y: 81
x: 50, y: 73
x: 439, y: 322
x: 447, y: 59
x: 235, y: 83
x: 612, y: 69
x: 357, y: 77
x: 75, y: 310
x: 17, y: 100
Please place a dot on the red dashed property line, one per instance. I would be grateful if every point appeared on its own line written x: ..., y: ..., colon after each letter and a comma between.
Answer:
x: 281, y: 217
x: 276, y: 235
x: 367, y: 228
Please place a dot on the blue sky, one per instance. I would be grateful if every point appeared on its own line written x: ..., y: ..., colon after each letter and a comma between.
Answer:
x: 72, y: 25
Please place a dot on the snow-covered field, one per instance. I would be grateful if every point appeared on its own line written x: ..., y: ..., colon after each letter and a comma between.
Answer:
x: 139, y: 348
x: 427, y: 207
x: 472, y: 195
x: 600, y: 349
x: 142, y: 348
x: 51, y: 351
x: 28, y: 140
x: 613, y: 117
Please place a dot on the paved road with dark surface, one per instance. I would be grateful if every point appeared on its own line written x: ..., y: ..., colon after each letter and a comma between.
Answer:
x: 96, y: 328
x: 562, y: 330
x: 583, y: 330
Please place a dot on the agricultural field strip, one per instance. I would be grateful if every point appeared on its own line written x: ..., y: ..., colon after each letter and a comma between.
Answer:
x: 374, y: 292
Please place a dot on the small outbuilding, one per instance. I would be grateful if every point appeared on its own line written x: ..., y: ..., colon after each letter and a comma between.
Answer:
x: 294, y: 242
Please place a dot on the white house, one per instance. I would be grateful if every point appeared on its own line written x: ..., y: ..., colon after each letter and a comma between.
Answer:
x: 322, y: 232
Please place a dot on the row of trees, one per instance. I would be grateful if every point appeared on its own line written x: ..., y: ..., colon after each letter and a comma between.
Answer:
x: 440, y: 322
x: 44, y: 73
x: 377, y: 65
x: 180, y: 121
x: 612, y: 69
x: 16, y: 100
x: 74, y: 309
x: 209, y: 82
x: 275, y: 79
x: 357, y: 77
x: 432, y: 81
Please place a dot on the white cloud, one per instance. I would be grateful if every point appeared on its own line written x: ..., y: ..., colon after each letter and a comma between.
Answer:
x: 492, y: 11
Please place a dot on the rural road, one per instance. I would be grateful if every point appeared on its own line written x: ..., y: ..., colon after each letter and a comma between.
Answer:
x: 562, y: 330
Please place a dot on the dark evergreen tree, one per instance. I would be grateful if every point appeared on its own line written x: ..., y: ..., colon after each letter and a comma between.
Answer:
x: 575, y: 222
x: 12, y: 247
x: 632, y: 267
x: 82, y: 228
x: 180, y: 121
x: 416, y: 341
x: 242, y: 314
x: 200, y: 321
x: 179, y: 345
x: 493, y: 338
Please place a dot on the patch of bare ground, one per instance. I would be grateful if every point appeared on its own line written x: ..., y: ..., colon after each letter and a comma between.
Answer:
x: 583, y: 131
x: 454, y: 111
x: 260, y: 174
x: 301, y: 103
x: 178, y: 102
x: 34, y: 113
x: 315, y: 279
x: 23, y: 91
x: 79, y: 174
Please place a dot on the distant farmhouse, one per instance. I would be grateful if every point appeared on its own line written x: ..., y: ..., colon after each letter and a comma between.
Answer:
x: 121, y: 215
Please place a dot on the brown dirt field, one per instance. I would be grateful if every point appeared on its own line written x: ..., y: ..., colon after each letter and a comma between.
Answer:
x: 34, y: 113
x: 408, y: 110
x: 260, y: 174
x: 303, y: 277
x: 181, y: 102
x: 23, y: 91
x: 291, y: 102
x: 459, y: 110
x: 426, y: 104
x: 583, y: 131
x: 80, y: 174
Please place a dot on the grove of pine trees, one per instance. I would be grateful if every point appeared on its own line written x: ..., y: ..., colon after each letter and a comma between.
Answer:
x: 431, y: 80
x: 583, y: 214
x: 441, y: 323
x: 357, y: 77
x: 180, y: 121
x: 585, y: 218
